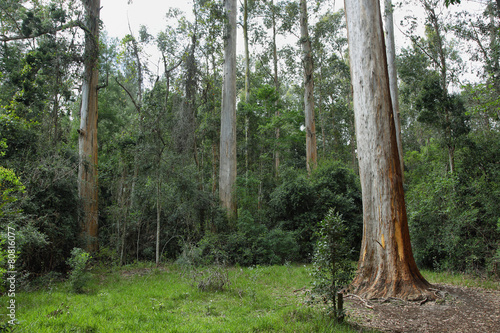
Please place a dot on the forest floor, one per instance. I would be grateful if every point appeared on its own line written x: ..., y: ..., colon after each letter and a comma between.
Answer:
x: 458, y: 309
x: 172, y: 298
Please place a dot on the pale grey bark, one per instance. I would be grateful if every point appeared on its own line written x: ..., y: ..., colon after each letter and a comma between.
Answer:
x: 393, y: 75
x: 277, y: 87
x: 310, y: 125
x: 87, y: 140
x: 386, y: 267
x: 227, y: 167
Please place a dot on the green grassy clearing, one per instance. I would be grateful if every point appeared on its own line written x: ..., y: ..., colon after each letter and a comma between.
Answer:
x: 141, y: 299
x: 459, y: 279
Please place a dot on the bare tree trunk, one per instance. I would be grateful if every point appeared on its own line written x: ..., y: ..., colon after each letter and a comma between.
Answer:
x: 386, y: 266
x: 158, y: 210
x: 277, y: 87
x: 87, y: 168
x: 247, y: 52
x: 311, y: 150
x: 227, y: 173
x: 393, y: 75
x: 247, y: 79
x: 321, y: 113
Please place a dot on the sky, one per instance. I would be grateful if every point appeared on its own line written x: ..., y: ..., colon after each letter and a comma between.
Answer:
x: 118, y: 14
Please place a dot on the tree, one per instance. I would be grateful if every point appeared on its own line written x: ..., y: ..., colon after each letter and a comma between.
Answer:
x: 393, y: 75
x: 87, y: 140
x: 445, y: 61
x: 311, y: 153
x: 227, y: 173
x: 386, y: 266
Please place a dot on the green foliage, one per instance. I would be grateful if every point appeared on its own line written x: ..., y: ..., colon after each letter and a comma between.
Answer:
x: 251, y: 243
x: 10, y: 185
x: 79, y: 275
x: 332, y: 266
x: 3, y: 261
x: 453, y: 218
x: 300, y: 202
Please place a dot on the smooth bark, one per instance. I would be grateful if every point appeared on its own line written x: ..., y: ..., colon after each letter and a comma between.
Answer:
x: 311, y: 150
x: 393, y: 75
x: 386, y: 266
x: 277, y: 87
x: 227, y: 166
x: 87, y: 168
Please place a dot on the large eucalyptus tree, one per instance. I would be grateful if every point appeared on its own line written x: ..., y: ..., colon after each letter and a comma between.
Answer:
x: 227, y: 173
x: 87, y: 140
x: 386, y: 266
x: 311, y: 151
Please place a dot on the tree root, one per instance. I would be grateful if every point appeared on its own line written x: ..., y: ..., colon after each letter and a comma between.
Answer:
x: 365, y: 302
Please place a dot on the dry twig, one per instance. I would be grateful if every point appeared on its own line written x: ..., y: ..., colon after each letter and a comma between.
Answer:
x: 365, y: 302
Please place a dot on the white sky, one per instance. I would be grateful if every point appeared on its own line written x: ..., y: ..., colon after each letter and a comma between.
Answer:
x: 116, y: 15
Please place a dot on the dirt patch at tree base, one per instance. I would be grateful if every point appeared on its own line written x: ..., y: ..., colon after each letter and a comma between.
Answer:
x: 457, y: 309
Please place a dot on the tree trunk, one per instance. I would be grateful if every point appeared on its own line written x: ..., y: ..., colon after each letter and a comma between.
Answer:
x: 158, y: 209
x: 321, y: 113
x: 247, y: 79
x: 277, y: 87
x: 87, y: 168
x: 227, y: 173
x: 393, y: 75
x: 386, y: 266
x: 247, y: 52
x: 311, y: 152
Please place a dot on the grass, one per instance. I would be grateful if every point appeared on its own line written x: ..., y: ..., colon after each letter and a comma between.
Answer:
x: 460, y: 279
x: 146, y: 299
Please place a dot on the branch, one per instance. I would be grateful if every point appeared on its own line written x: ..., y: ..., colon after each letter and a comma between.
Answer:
x: 72, y: 24
x: 137, y: 107
x: 415, y: 41
x: 265, y: 69
x: 365, y: 302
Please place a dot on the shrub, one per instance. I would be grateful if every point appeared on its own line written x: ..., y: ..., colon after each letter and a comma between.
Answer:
x: 332, y: 268
x: 79, y: 274
x: 300, y: 202
x: 252, y: 243
x: 215, y: 278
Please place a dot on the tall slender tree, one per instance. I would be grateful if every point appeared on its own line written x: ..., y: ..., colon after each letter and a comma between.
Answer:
x: 393, y: 75
x: 386, y: 266
x: 227, y: 173
x: 87, y: 168
x: 311, y: 151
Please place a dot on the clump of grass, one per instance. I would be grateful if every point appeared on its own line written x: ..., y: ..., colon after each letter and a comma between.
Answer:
x: 215, y: 278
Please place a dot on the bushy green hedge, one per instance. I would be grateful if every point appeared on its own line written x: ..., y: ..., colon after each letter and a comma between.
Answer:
x: 300, y: 202
x: 282, y: 229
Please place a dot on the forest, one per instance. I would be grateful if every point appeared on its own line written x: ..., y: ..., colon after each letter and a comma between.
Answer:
x: 251, y: 156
